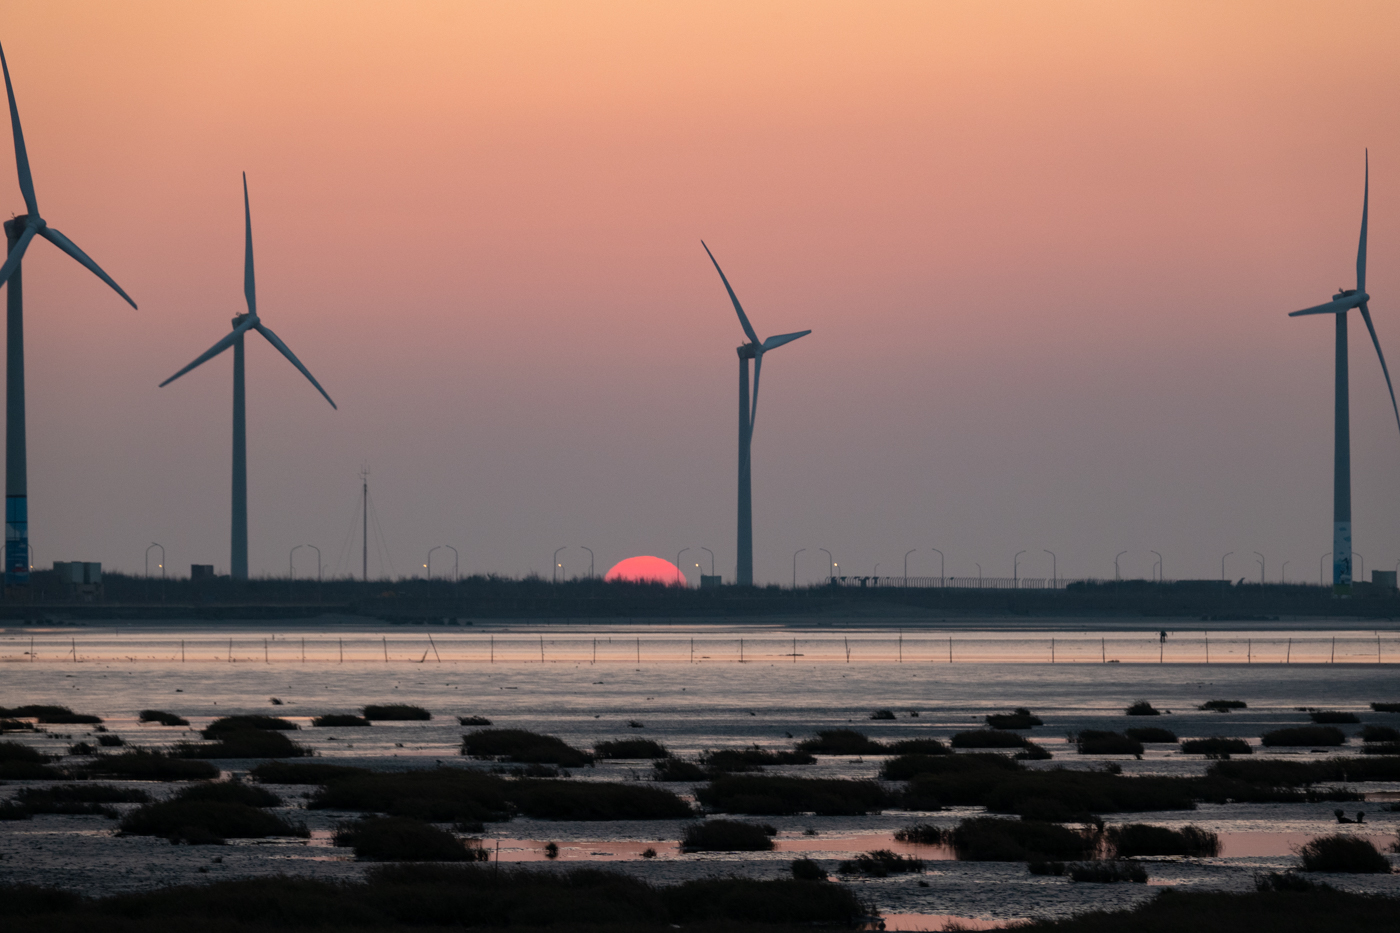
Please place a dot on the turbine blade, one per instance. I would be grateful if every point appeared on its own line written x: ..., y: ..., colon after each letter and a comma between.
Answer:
x: 250, y: 290
x: 1366, y: 316
x: 71, y: 248
x: 213, y: 351
x: 282, y: 348
x: 1333, y: 307
x: 12, y: 261
x: 26, y: 181
x: 743, y: 318
x: 1361, y: 250
x: 772, y: 343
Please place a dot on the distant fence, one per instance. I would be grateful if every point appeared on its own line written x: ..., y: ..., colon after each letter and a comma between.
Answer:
x: 962, y: 583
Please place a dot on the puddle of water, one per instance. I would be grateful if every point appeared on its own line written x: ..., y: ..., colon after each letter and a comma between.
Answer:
x: 1266, y: 845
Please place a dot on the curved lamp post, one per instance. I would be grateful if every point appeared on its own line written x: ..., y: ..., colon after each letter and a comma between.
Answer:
x: 942, y: 578
x: 831, y: 564
x: 1321, y: 581
x: 429, y: 565
x: 291, y: 561
x: 555, y: 560
x: 1159, y: 568
x: 906, y: 564
x: 1016, y: 570
x: 1116, y: 575
x: 590, y: 560
x: 794, y: 567
x: 679, y: 574
x: 712, y: 559
x: 1222, y: 563
x: 1054, y: 568
x: 1261, y: 567
x: 456, y: 563
x: 1283, y: 573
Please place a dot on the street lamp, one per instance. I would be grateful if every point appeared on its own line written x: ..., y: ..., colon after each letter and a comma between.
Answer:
x: 318, y: 564
x: 712, y: 559
x: 590, y: 560
x: 1261, y: 567
x: 679, y: 574
x: 1283, y: 573
x: 941, y: 577
x: 906, y: 564
x: 1362, y: 561
x: 1159, y: 568
x: 1016, y: 570
x: 1222, y: 564
x: 148, y: 564
x: 1116, y: 575
x: 291, y: 565
x: 456, y: 563
x: 831, y: 564
x: 1321, y: 581
x: 429, y: 565
x: 1054, y: 567
x: 979, y: 576
x: 794, y: 567
x: 555, y: 577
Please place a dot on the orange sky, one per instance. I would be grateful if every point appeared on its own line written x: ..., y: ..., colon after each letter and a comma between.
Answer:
x: 1046, y: 250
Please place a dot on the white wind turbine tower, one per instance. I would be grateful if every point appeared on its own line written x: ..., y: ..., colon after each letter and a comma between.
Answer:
x: 1340, y: 304
x: 238, y: 536
x: 748, y: 411
x: 18, y: 234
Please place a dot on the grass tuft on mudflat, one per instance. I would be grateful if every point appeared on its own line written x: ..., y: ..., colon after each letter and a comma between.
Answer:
x: 1303, y: 736
x: 727, y: 836
x: 281, y: 772
x: 1342, y: 853
x: 841, y: 742
x: 1217, y: 746
x: 631, y: 748
x: 400, y: 839
x: 753, y: 758
x: 881, y: 863
x: 1278, y: 911
x: 1101, y: 742
x: 1020, y: 718
x: 523, y: 747
x: 162, y: 717
x: 1222, y: 706
x: 1108, y: 872
x: 141, y: 764
x: 206, y: 822
x: 771, y: 795
x: 244, y: 743
x: 1142, y: 708
x: 1135, y: 839
x: 674, y: 769
x: 227, y: 724
x: 1334, y: 717
x: 340, y: 721
x: 396, y: 712
x: 992, y: 839
x: 57, y: 715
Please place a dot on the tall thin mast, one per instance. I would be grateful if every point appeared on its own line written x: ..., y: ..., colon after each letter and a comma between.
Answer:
x: 364, y: 517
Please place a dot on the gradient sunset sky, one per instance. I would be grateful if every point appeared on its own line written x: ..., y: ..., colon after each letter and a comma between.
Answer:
x: 1046, y: 250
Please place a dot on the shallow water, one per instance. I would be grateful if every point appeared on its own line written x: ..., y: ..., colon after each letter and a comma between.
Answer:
x: 779, y: 694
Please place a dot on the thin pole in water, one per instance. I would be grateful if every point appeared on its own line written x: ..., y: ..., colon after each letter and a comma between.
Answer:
x: 692, y: 651
x: 1334, y: 650
x: 848, y: 648
x: 1249, y: 651
x: 385, y: 640
x: 182, y: 651
x: 435, y: 651
x: 31, y: 648
x: 1103, y: 652
x: 342, y: 651
x: 901, y: 647
x: 303, y: 651
x: 595, y: 651
x: 541, y: 649
x: 1288, y: 658
x: 1052, y: 651
x: 75, y: 649
x: 1378, y: 647
x: 639, y: 650
x: 265, y: 660
x: 230, y: 651
x: 1207, y: 647
x: 741, y: 651
x: 950, y: 649
x: 794, y: 651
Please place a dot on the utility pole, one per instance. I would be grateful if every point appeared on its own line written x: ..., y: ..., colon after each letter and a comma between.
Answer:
x: 364, y: 517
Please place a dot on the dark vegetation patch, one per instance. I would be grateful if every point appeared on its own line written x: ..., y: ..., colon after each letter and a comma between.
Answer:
x: 473, y: 721
x: 805, y: 869
x: 281, y: 772
x: 141, y: 764
x: 1055, y: 794
x: 400, y: 839
x: 396, y: 897
x: 19, y: 762
x: 523, y: 746
x: 631, y: 748
x: 1100, y: 742
x: 58, y: 715
x: 1223, y: 706
x: 1142, y: 708
x: 1038, y: 867
x: 109, y: 740
x: 340, y: 721
x: 991, y: 839
x: 907, y: 766
x: 1150, y: 734
x: 881, y: 863
x: 77, y: 799
x: 1382, y: 748
x: 228, y: 724
x: 882, y: 714
x: 1333, y: 717
x: 1386, y: 707
x: 1287, y: 881
x: 753, y: 758
x: 1296, y: 736
x: 988, y: 738
x: 244, y: 743
x: 1341, y: 853
x: 674, y: 769
x: 11, y: 810
x: 924, y: 834
x: 1286, y: 911
x: 1135, y: 839
x: 919, y: 747
x: 1307, y: 773
x: 841, y: 742
x: 162, y: 717
x: 1217, y: 746
x: 770, y: 795
x: 1380, y: 734
x: 1033, y: 752
x: 727, y: 836
x: 396, y: 712
x: 200, y: 822
x: 1108, y: 872
x: 441, y: 795
x: 230, y: 792
x: 1020, y: 718
x: 575, y: 800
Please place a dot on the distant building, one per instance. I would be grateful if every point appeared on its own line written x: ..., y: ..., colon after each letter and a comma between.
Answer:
x: 707, y: 581
x: 201, y: 571
x: 79, y: 579
x: 1383, y: 579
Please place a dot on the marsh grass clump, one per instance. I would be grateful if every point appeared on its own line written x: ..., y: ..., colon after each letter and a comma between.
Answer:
x: 19, y: 753
x: 1375, y: 707
x: 771, y: 795
x: 340, y: 721
x: 201, y: 822
x: 229, y: 792
x: 727, y: 836
x: 923, y: 834
x: 1222, y: 706
x: 1307, y: 773
x: 141, y: 764
x: 244, y: 743
x: 57, y: 715
x: 1287, y: 881
x: 1020, y: 718
x: 993, y: 839
x: 1343, y: 854
x: 881, y: 863
x: 78, y: 799
x: 988, y: 738
x: 576, y: 800
x: 1217, y: 746
x: 524, y: 747
x: 15, y: 725
x: 228, y: 724
x: 841, y: 742
x: 1151, y: 735
x: 1040, y: 867
x: 1100, y: 742
x: 396, y: 712
x: 805, y: 869
x: 674, y: 769
x: 1142, y: 708
x: 906, y: 767
x: 13, y: 811
x: 753, y: 758
x: 1382, y: 748
x: 280, y: 772
x: 1108, y: 872
x: 919, y: 747
x: 1054, y: 794
x: 473, y: 721
x: 110, y: 740
x: 1033, y: 752
x: 882, y: 714
x: 1301, y: 736
x: 400, y: 839
x: 162, y: 717
x: 631, y: 748
x: 440, y: 795
x: 1334, y: 717
x: 1379, y: 734
x: 1135, y: 839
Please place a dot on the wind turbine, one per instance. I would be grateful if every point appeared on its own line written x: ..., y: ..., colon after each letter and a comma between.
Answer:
x: 748, y: 411
x: 19, y: 231
x: 1341, y: 303
x: 238, y: 536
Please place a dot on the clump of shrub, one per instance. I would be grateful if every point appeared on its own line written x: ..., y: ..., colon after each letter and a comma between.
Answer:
x: 523, y: 746
x: 1108, y: 872
x: 1020, y: 718
x: 473, y: 721
x: 1033, y: 752
x: 227, y: 724
x: 1379, y: 734
x: 1142, y: 708
x: 1333, y: 717
x: 1295, y: 736
x: 58, y: 715
x: 574, y: 800
x: 805, y: 869
x: 881, y: 863
x: 21, y: 763
x: 988, y: 738
x: 1053, y: 794
x: 15, y: 725
x: 199, y: 822
x: 340, y: 721
x: 841, y: 742
x: 882, y: 714
x: 1341, y: 853
x: 631, y: 748
x: 1040, y: 867
x: 753, y: 758
x: 923, y: 834
x: 400, y: 839
x: 77, y: 799
x: 439, y: 795
x: 1151, y: 735
x: 244, y: 743
x: 1135, y: 839
x: 992, y: 839
x: 162, y: 717
x: 770, y: 795
x: 1222, y: 706
x: 230, y: 792
x: 906, y: 767
x: 1275, y: 882
x: 1306, y: 773
x: 1100, y: 742
x: 674, y: 769
x: 1382, y: 748
x: 919, y: 747
x: 141, y: 764
x: 1217, y: 746
x: 281, y: 772
x: 110, y: 740
x: 396, y: 712
x: 727, y: 836
x: 1386, y: 707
